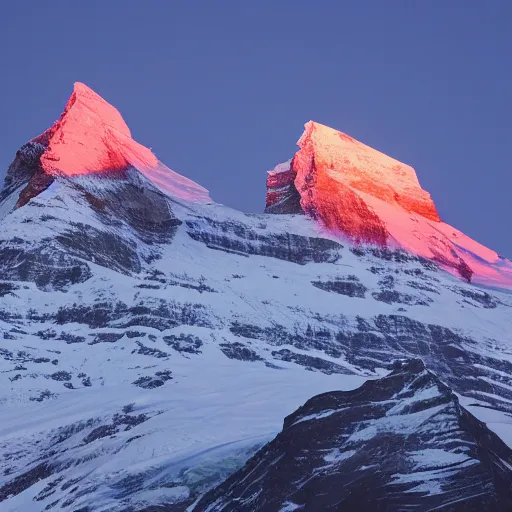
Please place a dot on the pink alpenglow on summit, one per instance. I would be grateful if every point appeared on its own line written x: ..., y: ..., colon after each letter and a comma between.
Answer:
x: 362, y: 194
x: 91, y: 137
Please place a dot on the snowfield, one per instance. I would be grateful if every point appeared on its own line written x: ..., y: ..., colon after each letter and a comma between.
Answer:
x: 228, y: 386
x: 151, y: 341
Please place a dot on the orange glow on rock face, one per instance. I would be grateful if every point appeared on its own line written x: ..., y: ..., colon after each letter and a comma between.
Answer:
x: 357, y: 192
x: 86, y: 137
x: 91, y: 137
x: 343, y: 163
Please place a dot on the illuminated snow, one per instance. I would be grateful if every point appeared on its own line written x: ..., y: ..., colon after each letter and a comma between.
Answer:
x: 92, y: 137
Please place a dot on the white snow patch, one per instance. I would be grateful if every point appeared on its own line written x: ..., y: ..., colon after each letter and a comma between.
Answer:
x: 338, y: 456
x: 290, y: 507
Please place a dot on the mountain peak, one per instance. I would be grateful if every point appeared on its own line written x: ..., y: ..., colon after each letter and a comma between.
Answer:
x: 92, y: 138
x: 357, y: 192
x: 365, y: 169
x: 84, y: 98
x: 344, y: 163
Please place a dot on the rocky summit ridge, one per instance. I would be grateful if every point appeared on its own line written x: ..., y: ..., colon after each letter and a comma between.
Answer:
x: 352, y: 190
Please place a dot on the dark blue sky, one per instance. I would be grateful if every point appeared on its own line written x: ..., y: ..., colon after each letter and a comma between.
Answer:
x: 221, y: 89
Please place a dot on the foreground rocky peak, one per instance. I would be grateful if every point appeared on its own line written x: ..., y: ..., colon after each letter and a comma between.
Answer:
x: 90, y: 138
x: 401, y: 442
x: 359, y: 193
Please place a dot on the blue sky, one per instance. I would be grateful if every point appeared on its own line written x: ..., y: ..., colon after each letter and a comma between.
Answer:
x: 221, y: 90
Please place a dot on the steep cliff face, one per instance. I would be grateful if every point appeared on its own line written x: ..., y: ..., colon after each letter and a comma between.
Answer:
x: 359, y: 193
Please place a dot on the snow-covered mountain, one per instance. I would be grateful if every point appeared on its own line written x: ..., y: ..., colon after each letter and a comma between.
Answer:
x: 151, y: 340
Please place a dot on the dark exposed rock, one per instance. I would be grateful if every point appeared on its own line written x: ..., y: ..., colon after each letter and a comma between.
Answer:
x: 239, y: 351
x: 41, y: 360
x: 71, y: 338
x: 49, y: 489
x: 246, y: 330
x: 17, y: 331
x: 148, y: 286
x: 387, y: 282
x: 106, y: 337
x: 48, y: 266
x: 34, y: 316
x: 7, y: 288
x: 241, y: 239
x: 99, y: 432
x: 135, y: 334
x: 25, y: 480
x: 375, y: 343
x: 396, y: 256
x: 47, y: 334
x: 343, y: 287
x: 151, y: 382
x: 25, y: 165
x: 310, y: 362
x: 395, y: 297
x: 184, y: 343
x: 66, y: 432
x: 118, y: 421
x: 282, y: 195
x: 61, y: 376
x: 444, y: 351
x: 140, y: 205
x: 277, y: 335
x: 150, y: 351
x: 101, y: 247
x: 419, y: 286
x: 201, y: 287
x: 161, y: 315
x: 44, y: 395
x: 484, y: 299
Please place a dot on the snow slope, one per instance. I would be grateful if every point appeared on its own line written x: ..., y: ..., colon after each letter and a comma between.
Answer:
x: 151, y: 341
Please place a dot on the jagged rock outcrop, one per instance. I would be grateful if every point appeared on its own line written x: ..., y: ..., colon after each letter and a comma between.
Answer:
x: 401, y: 442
